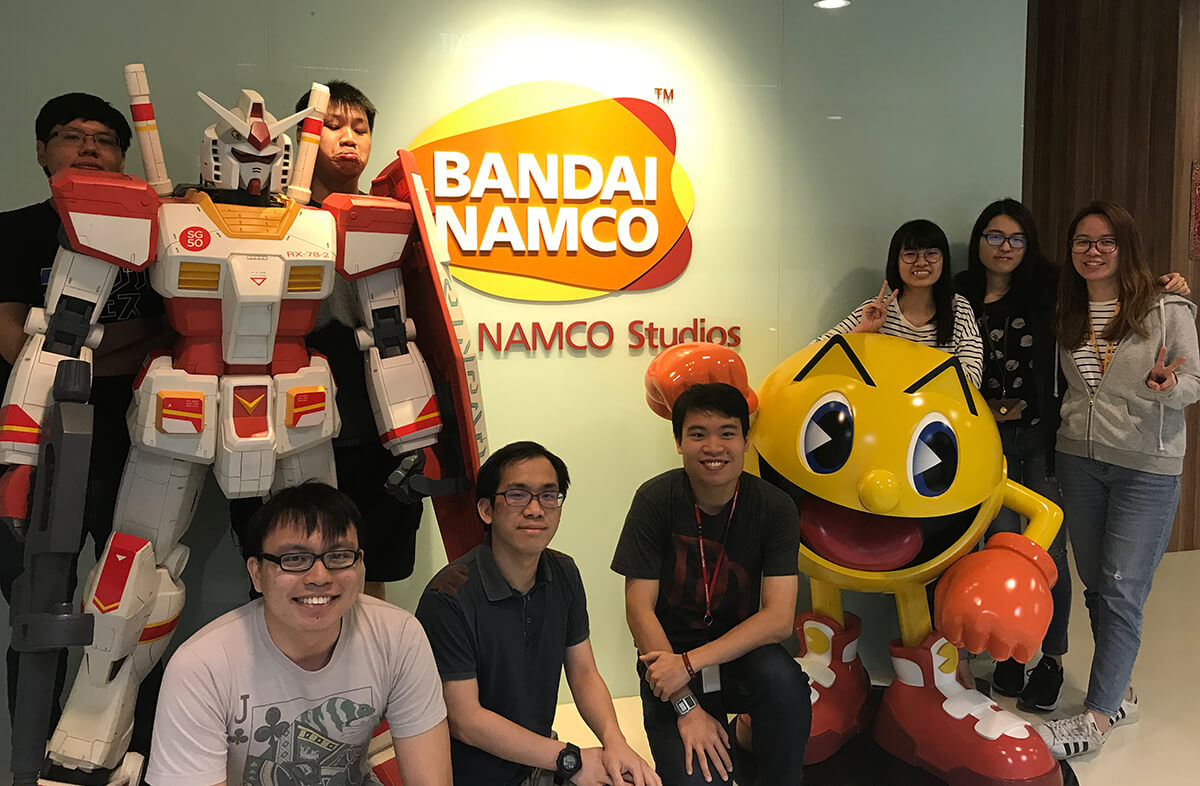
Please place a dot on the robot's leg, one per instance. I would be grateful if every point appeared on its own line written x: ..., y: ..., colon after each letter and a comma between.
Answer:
x: 135, y: 597
x: 313, y: 463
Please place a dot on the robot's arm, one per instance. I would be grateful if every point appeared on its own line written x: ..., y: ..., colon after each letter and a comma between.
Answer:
x: 109, y: 223
x: 373, y: 235
x: 1044, y: 516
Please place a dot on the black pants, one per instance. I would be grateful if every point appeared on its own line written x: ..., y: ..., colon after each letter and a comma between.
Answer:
x: 768, y: 684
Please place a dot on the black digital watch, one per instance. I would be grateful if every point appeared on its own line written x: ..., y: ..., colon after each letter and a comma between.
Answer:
x: 570, y: 762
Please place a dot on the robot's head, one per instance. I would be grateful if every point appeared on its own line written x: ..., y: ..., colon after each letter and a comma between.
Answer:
x: 247, y: 148
x: 893, y: 457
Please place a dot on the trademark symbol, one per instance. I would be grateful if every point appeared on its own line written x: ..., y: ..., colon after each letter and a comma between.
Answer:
x: 664, y: 94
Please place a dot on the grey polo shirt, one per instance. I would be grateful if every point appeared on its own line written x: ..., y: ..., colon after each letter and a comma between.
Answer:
x: 513, y: 644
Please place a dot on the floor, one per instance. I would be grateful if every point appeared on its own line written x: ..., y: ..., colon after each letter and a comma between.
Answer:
x: 1159, y: 749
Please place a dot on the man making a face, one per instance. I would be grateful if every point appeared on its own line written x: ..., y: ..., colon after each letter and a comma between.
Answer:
x: 709, y: 558
x: 504, y: 621
x: 290, y: 687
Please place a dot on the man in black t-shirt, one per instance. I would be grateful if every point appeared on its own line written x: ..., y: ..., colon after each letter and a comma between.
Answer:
x: 80, y: 131
x: 504, y: 621
x: 709, y: 556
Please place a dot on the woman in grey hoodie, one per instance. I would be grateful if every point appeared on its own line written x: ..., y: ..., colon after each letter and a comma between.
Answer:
x: 1129, y: 355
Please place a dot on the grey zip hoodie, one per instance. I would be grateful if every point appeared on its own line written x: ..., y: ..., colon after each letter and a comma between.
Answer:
x: 1124, y: 422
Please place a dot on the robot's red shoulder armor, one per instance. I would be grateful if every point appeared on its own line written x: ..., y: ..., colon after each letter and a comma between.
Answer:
x: 372, y: 232
x: 108, y: 215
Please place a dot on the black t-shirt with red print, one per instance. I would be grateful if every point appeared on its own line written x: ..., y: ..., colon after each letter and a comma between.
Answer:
x: 659, y: 542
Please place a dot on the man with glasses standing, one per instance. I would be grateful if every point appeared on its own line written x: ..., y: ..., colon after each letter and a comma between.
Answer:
x: 504, y: 621
x: 79, y: 131
x: 290, y: 687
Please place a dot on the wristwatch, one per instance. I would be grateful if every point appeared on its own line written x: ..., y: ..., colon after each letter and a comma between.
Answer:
x: 684, y: 704
x: 569, y: 763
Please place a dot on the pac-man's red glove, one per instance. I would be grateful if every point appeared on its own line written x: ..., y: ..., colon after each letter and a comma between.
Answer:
x: 998, y: 599
x: 683, y: 365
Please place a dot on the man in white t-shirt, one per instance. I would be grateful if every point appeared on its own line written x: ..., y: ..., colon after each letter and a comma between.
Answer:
x: 289, y: 688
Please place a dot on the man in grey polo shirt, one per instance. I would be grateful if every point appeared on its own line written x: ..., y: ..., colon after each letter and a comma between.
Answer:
x: 504, y: 620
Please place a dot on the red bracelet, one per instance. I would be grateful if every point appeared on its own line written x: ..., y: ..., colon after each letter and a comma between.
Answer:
x: 687, y: 664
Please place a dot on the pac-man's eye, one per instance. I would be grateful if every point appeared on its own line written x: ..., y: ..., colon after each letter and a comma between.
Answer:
x: 933, y: 456
x: 828, y: 434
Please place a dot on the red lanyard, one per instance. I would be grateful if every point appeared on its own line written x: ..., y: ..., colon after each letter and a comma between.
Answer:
x: 710, y: 585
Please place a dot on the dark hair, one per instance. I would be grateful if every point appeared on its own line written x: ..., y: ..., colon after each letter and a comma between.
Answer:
x: 488, y: 480
x: 1030, y: 276
x: 1136, y: 286
x: 344, y: 94
x: 715, y: 397
x: 310, y: 507
x: 60, y: 110
x: 915, y: 235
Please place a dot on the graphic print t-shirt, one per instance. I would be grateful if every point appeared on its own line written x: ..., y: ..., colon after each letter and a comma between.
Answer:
x: 233, y: 708
x: 659, y: 542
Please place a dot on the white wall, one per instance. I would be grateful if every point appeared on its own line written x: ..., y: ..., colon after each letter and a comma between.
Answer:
x: 793, y: 210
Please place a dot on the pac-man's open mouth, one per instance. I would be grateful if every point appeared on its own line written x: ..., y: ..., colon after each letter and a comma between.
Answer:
x: 867, y: 541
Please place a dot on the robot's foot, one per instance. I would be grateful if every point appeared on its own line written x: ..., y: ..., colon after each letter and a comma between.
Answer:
x: 839, y: 683
x: 930, y: 720
x: 128, y: 774
x: 381, y: 757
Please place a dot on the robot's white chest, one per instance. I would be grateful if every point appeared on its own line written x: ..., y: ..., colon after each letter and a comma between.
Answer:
x: 237, y: 265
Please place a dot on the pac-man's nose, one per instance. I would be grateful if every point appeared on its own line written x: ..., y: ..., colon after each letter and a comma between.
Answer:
x: 879, y: 491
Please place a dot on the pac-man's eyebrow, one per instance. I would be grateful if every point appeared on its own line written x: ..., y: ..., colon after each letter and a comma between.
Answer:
x: 950, y: 362
x: 836, y: 340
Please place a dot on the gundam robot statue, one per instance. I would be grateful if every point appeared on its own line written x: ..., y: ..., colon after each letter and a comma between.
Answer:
x: 243, y: 270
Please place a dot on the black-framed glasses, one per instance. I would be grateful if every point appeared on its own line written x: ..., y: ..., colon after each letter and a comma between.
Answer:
x: 1105, y: 245
x: 931, y: 255
x: 301, y: 561
x: 75, y: 138
x: 997, y: 239
x: 519, y: 498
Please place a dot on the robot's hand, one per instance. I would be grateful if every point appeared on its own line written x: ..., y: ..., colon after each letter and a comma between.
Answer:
x: 998, y: 599
x: 684, y: 365
x: 401, y: 483
x: 15, y: 486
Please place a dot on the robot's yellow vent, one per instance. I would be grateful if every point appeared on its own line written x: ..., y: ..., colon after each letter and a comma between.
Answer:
x: 248, y: 221
x: 203, y: 276
x: 305, y: 278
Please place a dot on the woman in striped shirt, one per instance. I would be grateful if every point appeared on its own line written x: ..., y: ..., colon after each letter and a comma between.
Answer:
x: 1129, y: 355
x: 922, y: 306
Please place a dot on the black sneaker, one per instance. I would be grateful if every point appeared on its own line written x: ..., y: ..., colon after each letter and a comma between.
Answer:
x: 1009, y: 677
x: 1044, y: 687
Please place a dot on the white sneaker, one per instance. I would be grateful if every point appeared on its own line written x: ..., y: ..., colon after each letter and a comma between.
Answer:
x: 1128, y: 713
x: 1073, y: 736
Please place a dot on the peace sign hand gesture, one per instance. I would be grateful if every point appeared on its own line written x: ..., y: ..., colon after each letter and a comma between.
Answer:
x: 874, y: 313
x: 1162, y: 377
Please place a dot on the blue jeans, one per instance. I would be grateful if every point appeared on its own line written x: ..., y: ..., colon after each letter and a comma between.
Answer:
x: 1120, y: 521
x: 1025, y: 449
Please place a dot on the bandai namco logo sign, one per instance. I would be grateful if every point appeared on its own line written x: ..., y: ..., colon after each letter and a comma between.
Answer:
x: 551, y: 192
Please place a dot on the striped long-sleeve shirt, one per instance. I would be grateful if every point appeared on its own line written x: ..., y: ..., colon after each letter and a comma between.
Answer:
x: 964, y: 344
x: 1087, y: 355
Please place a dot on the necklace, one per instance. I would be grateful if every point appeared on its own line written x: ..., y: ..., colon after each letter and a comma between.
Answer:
x: 1109, y: 346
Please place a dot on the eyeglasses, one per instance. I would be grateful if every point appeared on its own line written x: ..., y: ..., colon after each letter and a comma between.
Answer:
x: 1105, y: 245
x: 931, y: 255
x: 75, y: 138
x: 1014, y: 241
x: 301, y: 561
x: 519, y: 498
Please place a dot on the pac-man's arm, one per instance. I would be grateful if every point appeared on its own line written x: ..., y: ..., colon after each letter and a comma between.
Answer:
x: 1044, y: 516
